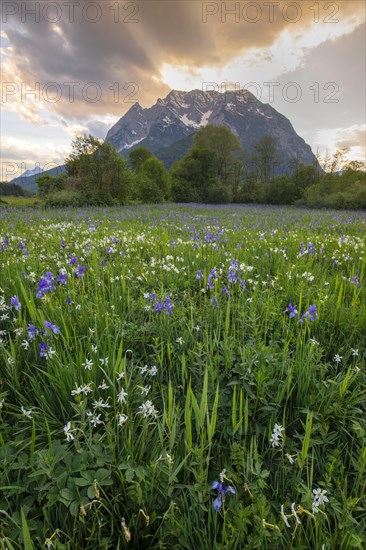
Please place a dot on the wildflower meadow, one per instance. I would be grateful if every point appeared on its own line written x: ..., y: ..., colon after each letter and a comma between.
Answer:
x: 182, y: 377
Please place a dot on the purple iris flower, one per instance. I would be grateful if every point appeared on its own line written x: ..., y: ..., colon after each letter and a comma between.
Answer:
x: 32, y: 332
x: 199, y: 275
x: 14, y: 301
x: 166, y: 306
x: 159, y: 307
x: 52, y: 327
x: 292, y: 310
x: 43, y: 347
x: 217, y: 503
x: 62, y: 280
x: 232, y: 278
x: 73, y: 260
x: 312, y: 313
x: 80, y: 272
x: 210, y: 283
x: 45, y: 285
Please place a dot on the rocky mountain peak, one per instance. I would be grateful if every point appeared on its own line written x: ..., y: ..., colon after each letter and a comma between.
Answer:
x: 167, y: 127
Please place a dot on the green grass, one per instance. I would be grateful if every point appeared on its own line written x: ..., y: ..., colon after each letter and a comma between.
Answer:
x: 114, y: 438
x: 19, y: 201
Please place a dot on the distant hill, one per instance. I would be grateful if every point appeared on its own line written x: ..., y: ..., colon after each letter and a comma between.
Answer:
x: 167, y: 128
x: 12, y: 190
x: 29, y: 181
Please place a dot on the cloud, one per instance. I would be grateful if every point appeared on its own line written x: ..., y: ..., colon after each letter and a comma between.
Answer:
x: 87, y: 74
x: 19, y: 155
x: 115, y: 49
x: 351, y: 138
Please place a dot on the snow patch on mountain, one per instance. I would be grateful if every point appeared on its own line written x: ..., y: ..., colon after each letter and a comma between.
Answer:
x: 134, y: 143
x: 205, y: 117
x: 188, y: 122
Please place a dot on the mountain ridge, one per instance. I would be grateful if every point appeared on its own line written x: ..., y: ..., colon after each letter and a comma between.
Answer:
x: 180, y: 114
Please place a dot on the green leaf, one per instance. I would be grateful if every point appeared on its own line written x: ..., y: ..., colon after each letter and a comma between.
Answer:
x: 28, y: 545
x: 67, y: 494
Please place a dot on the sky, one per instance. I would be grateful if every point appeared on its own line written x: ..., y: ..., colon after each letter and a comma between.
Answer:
x: 74, y: 67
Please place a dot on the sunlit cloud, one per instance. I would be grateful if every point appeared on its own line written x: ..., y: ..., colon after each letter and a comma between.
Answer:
x: 171, y: 47
x: 19, y: 155
x: 352, y: 138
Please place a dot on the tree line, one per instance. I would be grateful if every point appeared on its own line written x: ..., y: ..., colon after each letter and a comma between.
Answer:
x: 13, y: 190
x: 214, y: 170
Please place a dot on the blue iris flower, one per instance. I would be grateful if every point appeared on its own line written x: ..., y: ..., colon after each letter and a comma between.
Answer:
x: 32, y: 332
x: 292, y: 310
x: 14, y: 301
x: 51, y: 326
x: 312, y: 313
x: 62, y: 279
x: 80, y: 272
x: 217, y: 503
x: 43, y: 347
x: 45, y: 285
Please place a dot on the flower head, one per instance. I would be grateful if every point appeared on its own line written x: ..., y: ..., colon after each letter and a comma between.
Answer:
x: 318, y: 499
x: 32, y: 332
x: 284, y: 517
x: 43, y: 347
x: 26, y: 413
x: 80, y: 272
x: 121, y: 398
x: 14, y: 302
x: 291, y: 310
x: 222, y: 491
x: 312, y: 313
x: 67, y: 432
x: 276, y: 437
x: 45, y: 285
x: 122, y: 419
x: 52, y: 327
x: 62, y: 280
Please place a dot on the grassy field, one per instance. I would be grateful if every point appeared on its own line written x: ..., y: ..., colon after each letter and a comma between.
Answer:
x: 18, y: 201
x: 182, y: 378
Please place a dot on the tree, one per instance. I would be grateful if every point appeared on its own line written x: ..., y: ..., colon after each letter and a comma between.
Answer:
x: 193, y: 176
x: 154, y: 170
x: 334, y: 163
x: 304, y: 176
x: 48, y: 184
x: 265, y: 157
x: 211, y: 170
x: 354, y: 166
x: 223, y: 144
x: 138, y: 156
x: 99, y: 170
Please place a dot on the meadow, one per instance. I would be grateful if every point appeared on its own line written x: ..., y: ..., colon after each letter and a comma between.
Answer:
x: 182, y: 377
x: 17, y: 201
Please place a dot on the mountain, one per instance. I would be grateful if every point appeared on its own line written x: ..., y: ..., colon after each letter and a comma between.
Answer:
x: 30, y: 173
x: 167, y: 128
x: 28, y: 179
